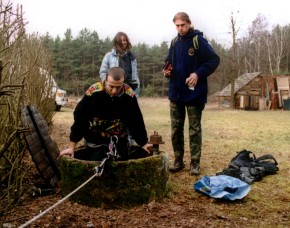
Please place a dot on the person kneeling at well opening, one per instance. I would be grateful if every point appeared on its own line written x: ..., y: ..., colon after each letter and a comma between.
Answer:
x: 109, y: 109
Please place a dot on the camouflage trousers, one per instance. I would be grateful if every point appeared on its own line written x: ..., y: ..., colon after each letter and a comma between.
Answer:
x: 177, y: 115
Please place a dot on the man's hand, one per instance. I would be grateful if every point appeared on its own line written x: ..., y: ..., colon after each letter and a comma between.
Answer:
x: 167, y: 69
x: 192, y: 79
x: 146, y: 147
x: 166, y: 73
x: 70, y: 151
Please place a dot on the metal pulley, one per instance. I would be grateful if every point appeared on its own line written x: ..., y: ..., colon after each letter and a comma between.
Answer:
x: 155, y: 140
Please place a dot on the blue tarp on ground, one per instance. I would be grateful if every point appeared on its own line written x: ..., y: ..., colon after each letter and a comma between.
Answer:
x: 222, y: 187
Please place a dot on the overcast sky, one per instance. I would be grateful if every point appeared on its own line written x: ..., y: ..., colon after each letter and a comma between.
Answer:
x: 148, y: 21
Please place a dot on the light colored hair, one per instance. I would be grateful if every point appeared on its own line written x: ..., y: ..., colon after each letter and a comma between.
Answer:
x: 184, y: 17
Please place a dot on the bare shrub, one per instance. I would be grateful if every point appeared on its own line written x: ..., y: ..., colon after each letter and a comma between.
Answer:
x: 24, y: 66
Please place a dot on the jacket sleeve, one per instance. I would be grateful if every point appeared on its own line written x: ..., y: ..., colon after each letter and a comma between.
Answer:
x: 104, y: 67
x: 209, y: 60
x: 169, y: 57
x: 81, y: 120
x: 136, y: 123
x: 135, y: 71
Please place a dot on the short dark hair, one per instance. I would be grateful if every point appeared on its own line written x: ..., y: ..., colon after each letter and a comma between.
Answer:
x: 117, y: 73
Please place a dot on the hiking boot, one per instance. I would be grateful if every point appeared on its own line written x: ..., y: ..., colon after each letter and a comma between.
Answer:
x: 194, y: 168
x: 178, y: 166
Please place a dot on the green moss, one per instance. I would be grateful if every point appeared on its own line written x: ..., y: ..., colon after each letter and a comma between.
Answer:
x: 123, y: 183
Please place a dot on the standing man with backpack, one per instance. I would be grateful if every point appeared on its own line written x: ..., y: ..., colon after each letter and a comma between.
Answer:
x: 189, y: 62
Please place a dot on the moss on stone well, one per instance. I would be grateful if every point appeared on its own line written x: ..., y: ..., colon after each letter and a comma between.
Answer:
x: 122, y: 184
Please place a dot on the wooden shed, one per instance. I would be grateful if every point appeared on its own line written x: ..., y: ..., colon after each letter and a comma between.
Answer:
x: 254, y: 91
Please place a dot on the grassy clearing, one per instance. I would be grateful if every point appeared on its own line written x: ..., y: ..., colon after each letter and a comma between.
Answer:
x: 226, y: 132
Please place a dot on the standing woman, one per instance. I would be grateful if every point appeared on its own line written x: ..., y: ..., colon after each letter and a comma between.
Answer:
x: 121, y: 56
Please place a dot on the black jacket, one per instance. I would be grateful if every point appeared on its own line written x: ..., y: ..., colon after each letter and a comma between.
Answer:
x: 98, y: 109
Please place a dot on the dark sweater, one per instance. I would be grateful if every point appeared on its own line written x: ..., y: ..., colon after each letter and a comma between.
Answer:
x: 98, y: 108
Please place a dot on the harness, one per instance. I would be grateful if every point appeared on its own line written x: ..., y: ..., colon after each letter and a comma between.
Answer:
x: 108, y: 128
x: 112, y: 155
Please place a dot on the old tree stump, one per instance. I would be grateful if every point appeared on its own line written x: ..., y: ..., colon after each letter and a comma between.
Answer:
x: 122, y: 184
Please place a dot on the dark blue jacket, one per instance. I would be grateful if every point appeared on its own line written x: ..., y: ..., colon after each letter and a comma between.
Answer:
x: 185, y: 59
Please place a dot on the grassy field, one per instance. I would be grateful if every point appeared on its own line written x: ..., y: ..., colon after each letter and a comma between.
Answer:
x: 225, y: 132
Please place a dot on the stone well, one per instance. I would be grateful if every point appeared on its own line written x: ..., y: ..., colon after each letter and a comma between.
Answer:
x: 122, y: 183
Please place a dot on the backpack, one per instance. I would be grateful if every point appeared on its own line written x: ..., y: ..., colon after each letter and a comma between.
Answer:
x: 246, y: 167
x: 194, y: 41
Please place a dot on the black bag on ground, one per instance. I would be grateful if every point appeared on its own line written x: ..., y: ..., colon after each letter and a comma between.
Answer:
x: 248, y: 168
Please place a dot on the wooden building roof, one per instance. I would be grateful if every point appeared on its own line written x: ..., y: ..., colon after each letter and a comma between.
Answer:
x: 240, y: 82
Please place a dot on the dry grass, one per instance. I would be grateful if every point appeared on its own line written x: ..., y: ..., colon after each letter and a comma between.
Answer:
x: 226, y: 132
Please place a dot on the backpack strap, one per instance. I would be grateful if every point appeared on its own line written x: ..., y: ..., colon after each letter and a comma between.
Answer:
x: 194, y: 41
x: 266, y: 161
x: 173, y: 41
x: 242, y: 159
x: 266, y: 157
